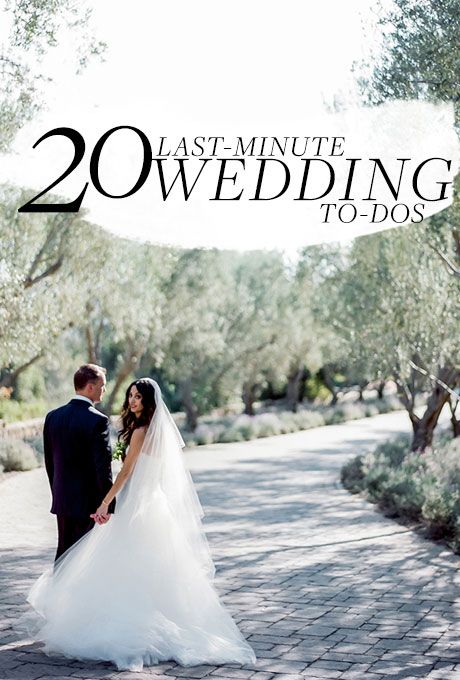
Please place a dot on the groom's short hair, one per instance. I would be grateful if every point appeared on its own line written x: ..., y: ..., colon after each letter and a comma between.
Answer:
x: 86, y: 374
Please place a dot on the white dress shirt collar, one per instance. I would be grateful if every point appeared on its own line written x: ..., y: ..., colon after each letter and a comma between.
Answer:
x: 81, y: 396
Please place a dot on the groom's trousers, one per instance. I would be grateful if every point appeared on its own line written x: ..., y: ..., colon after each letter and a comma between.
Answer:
x: 70, y: 530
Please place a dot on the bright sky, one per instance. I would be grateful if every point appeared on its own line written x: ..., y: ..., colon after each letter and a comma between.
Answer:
x: 204, y: 68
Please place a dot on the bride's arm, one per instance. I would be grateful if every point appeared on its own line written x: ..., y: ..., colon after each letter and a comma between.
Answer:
x: 135, y: 446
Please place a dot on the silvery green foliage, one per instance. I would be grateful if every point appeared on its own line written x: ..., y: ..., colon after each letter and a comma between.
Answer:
x: 232, y: 318
x: 36, y: 27
x: 199, y: 292
x: 397, y: 307
x: 124, y: 312
x: 45, y: 262
x: 16, y: 455
x: 242, y: 427
x: 425, y: 488
x: 418, y: 57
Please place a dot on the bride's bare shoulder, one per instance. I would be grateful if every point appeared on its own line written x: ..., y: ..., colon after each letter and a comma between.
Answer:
x: 139, y: 434
x: 136, y: 443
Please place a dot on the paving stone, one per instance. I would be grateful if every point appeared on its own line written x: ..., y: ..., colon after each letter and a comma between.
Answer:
x: 31, y: 672
x: 274, y: 639
x: 286, y: 676
x: 301, y: 654
x: 383, y: 632
x: 317, y: 672
x: 95, y: 672
x: 229, y: 672
x: 261, y: 645
x: 398, y: 667
x: 350, y: 658
x: 358, y: 636
x: 200, y: 672
x: 320, y: 583
x: 415, y: 607
x: 444, y: 665
x: 317, y: 630
x: 357, y: 672
x: 333, y: 665
x: 351, y: 647
x: 281, y: 666
x: 406, y: 643
x: 64, y: 677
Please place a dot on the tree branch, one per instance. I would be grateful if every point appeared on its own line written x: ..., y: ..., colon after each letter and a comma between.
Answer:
x: 437, y: 380
x: 451, y: 267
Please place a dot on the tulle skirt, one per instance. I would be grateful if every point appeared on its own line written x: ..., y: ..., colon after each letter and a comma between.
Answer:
x: 132, y: 592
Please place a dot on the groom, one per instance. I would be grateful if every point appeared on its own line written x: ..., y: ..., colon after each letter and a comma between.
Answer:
x: 78, y: 457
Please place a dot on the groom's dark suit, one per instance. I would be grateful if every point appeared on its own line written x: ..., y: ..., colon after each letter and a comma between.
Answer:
x: 78, y: 462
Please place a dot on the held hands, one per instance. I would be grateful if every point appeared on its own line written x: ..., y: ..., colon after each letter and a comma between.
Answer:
x: 102, y: 515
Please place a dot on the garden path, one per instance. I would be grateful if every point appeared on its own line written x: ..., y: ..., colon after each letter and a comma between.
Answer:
x: 321, y: 584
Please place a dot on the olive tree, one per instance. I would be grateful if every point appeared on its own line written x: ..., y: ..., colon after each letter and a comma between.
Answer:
x: 401, y: 312
x: 37, y: 27
x: 418, y: 58
x: 44, y: 264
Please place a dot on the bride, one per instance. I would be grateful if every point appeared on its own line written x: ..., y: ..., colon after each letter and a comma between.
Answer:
x: 137, y: 589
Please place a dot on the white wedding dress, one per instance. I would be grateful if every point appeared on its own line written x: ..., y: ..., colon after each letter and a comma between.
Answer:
x: 138, y: 590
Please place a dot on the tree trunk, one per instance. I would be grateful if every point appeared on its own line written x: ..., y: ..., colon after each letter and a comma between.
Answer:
x: 249, y: 397
x: 453, y: 418
x: 92, y: 336
x: 423, y: 428
x: 303, y: 386
x: 127, y: 367
x: 10, y: 379
x: 327, y: 380
x: 423, y: 433
x: 293, y: 388
x: 380, y: 388
x: 90, y: 345
x: 186, y: 397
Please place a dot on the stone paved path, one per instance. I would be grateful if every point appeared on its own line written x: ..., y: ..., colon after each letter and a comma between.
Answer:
x: 320, y: 583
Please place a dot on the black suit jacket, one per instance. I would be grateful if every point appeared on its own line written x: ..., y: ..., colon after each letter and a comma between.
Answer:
x: 78, y: 458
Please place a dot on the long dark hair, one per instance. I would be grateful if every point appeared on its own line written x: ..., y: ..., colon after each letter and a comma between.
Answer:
x: 129, y: 422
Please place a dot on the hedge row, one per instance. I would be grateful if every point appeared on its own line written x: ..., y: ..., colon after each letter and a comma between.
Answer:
x: 417, y: 486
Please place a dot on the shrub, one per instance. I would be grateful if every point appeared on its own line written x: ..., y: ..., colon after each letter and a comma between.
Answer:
x: 390, y: 403
x: 31, y: 385
x: 391, y: 453
x: 353, y: 411
x: 204, y: 434
x: 189, y: 439
x: 334, y: 416
x: 231, y: 435
x: 16, y: 455
x: 240, y: 428
x: 371, y: 410
x: 12, y: 411
x: 247, y: 426
x: 37, y: 444
x: 328, y: 414
x: 352, y: 475
x: 269, y: 424
x: 400, y: 495
x: 440, y: 509
x: 305, y: 420
x: 418, y: 486
x: 454, y: 544
x: 289, y: 422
